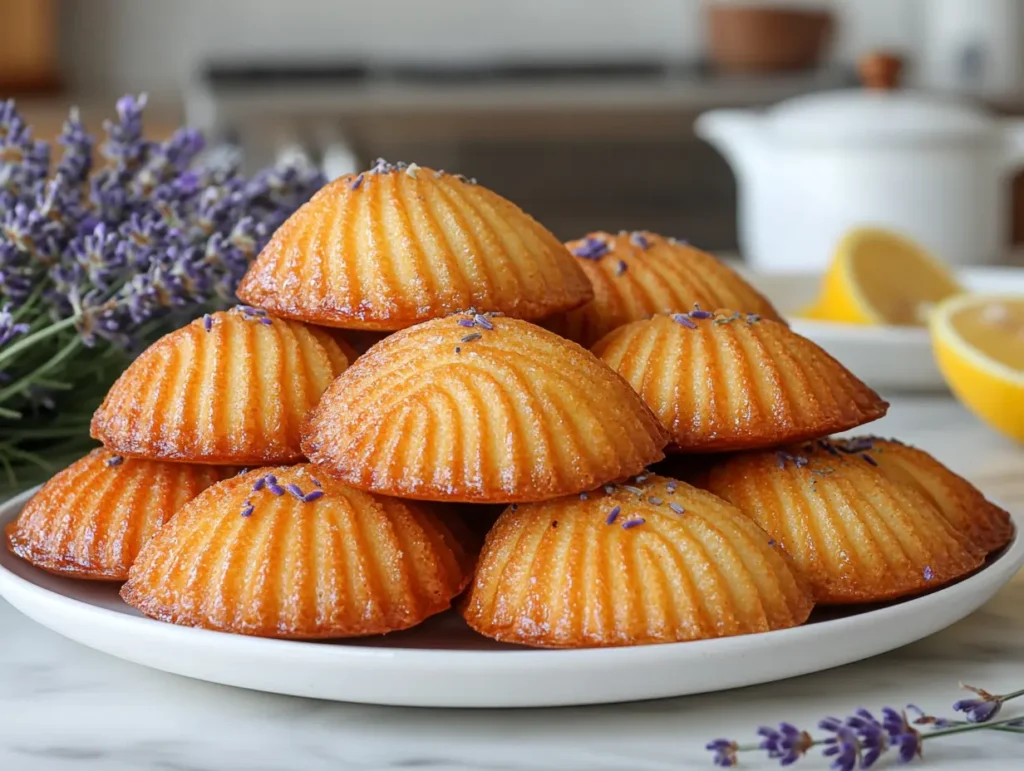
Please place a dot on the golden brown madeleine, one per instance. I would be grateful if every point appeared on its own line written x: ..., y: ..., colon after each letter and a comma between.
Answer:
x: 92, y: 519
x: 962, y: 504
x: 653, y: 561
x: 289, y: 552
x: 856, y: 534
x: 729, y: 381
x: 231, y: 388
x: 401, y: 244
x: 638, y: 274
x: 480, y: 409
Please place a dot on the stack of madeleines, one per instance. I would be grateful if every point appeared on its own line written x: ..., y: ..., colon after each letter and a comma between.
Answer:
x: 510, y: 369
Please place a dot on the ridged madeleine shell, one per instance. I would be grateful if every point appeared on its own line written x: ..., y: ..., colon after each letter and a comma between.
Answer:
x: 636, y: 275
x: 395, y: 246
x: 453, y: 410
x: 266, y: 562
x: 962, y: 504
x: 92, y: 519
x: 655, y: 562
x: 230, y: 388
x: 856, y: 534
x: 733, y: 383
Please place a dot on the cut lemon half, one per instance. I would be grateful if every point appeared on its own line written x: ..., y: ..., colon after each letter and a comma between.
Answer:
x: 979, y: 346
x: 880, y: 277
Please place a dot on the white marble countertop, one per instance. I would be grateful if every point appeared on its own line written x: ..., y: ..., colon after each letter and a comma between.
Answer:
x: 64, y: 707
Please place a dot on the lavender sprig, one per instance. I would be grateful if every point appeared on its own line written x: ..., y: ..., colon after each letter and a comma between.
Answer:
x: 110, y: 259
x: 861, y: 739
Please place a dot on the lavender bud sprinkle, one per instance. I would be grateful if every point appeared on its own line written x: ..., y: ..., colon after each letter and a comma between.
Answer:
x: 684, y: 320
x: 591, y: 249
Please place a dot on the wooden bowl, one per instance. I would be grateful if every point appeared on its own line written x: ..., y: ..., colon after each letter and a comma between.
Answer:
x: 748, y: 38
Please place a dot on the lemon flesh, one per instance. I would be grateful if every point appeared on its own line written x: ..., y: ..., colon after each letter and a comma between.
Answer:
x: 979, y: 346
x: 880, y: 277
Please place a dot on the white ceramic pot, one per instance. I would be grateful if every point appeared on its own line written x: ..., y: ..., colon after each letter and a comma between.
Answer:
x: 810, y: 168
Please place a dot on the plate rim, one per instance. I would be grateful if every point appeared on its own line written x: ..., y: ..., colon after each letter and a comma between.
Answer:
x: 1000, y: 571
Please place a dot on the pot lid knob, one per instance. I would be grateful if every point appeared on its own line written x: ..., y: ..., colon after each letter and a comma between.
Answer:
x: 880, y: 70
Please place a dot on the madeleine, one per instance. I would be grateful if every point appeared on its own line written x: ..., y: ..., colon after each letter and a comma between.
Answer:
x: 638, y: 274
x: 729, y: 381
x: 229, y: 388
x: 985, y: 525
x: 288, y: 552
x: 855, y: 533
x: 480, y: 409
x: 653, y: 561
x: 92, y: 519
x: 401, y: 244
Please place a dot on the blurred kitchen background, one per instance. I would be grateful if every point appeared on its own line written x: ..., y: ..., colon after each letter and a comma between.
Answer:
x: 581, y: 111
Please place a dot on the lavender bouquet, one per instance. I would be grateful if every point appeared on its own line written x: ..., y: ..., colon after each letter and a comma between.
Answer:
x: 102, y: 253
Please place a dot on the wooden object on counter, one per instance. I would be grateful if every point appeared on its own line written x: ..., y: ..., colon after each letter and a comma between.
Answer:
x: 766, y: 38
x: 28, y: 46
x: 880, y: 71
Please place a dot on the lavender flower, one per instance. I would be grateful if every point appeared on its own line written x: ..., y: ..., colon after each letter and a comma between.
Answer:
x: 787, y: 744
x: 871, y: 734
x: 782, y: 458
x: 981, y: 709
x: 591, y: 248
x: 639, y: 240
x: 122, y: 249
x: 684, y: 320
x: 843, y: 746
x: 697, y: 313
x: 861, y: 740
x: 9, y: 329
x: 725, y: 752
x: 901, y: 734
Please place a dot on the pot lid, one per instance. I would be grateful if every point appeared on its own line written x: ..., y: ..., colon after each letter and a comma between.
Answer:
x: 879, y: 112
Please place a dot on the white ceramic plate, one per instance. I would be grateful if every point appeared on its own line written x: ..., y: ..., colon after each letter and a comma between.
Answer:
x: 443, y: 664
x: 886, y: 358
